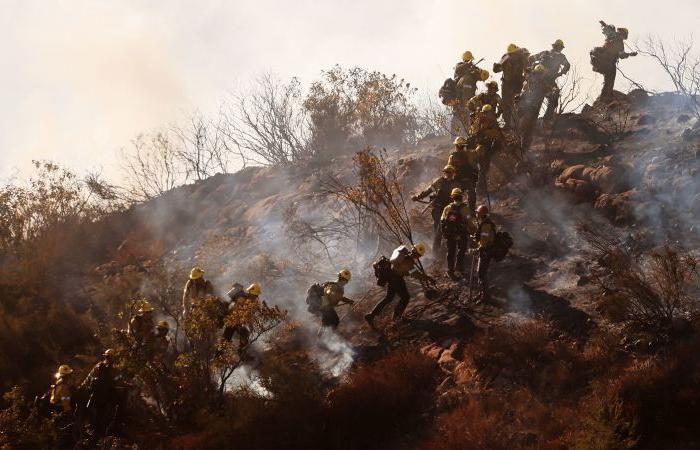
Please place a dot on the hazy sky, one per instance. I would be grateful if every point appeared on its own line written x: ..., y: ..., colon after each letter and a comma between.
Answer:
x: 81, y: 78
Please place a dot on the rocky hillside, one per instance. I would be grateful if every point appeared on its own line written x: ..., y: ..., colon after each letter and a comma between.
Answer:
x: 521, y: 367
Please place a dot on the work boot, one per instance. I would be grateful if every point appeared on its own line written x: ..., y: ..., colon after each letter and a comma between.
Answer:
x: 369, y: 318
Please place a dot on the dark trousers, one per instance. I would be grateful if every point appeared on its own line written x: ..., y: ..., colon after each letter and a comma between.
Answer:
x: 608, y: 82
x: 437, y: 232
x: 395, y: 286
x: 483, y: 269
x: 509, y: 90
x: 456, y: 249
x: 329, y: 318
x: 468, y: 186
x: 243, y: 334
x: 552, y: 103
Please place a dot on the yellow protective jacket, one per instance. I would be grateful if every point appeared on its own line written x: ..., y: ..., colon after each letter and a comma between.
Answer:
x: 333, y: 295
x: 465, y: 163
x: 485, y: 233
x: 195, y: 290
x: 478, y: 101
x: 61, y: 395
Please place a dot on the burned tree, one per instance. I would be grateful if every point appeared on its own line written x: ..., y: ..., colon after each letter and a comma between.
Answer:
x: 652, y: 290
x: 376, y: 201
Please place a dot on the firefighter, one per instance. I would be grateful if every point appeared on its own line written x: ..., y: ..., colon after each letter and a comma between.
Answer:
x: 490, y: 97
x: 454, y: 223
x: 536, y: 87
x: 604, y: 59
x: 514, y: 65
x: 484, y: 236
x: 556, y: 65
x: 62, y: 391
x: 403, y: 262
x: 62, y: 404
x: 439, y: 192
x: 105, y: 401
x: 334, y: 295
x: 465, y: 163
x: 467, y: 75
x: 161, y: 342
x: 196, y: 289
x: 490, y: 140
x: 251, y: 293
x: 141, y: 325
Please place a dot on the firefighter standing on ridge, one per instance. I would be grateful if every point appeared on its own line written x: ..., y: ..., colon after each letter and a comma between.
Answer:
x: 604, y: 59
x: 556, y: 65
x: 439, y: 191
x: 514, y: 65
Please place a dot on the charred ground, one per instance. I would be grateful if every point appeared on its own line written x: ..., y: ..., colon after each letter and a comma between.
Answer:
x: 582, y: 346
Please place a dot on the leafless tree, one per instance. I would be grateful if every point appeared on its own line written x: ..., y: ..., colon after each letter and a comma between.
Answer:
x: 572, y: 95
x: 653, y: 289
x: 268, y: 123
x: 204, y: 149
x: 377, y: 197
x: 433, y: 119
x: 681, y: 63
x: 152, y: 167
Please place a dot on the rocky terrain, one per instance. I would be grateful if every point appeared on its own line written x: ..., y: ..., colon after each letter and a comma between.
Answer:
x: 520, y: 370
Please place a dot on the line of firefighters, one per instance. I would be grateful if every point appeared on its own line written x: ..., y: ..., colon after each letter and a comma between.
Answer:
x: 527, y: 81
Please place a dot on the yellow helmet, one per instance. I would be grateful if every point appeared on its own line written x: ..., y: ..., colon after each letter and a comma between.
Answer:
x: 512, y: 48
x: 449, y: 168
x: 345, y: 274
x: 163, y: 324
x: 467, y: 56
x: 196, y: 273
x: 484, y: 74
x: 538, y: 68
x: 456, y: 192
x: 486, y: 108
x: 420, y: 249
x: 146, y: 307
x: 254, y: 289
x: 63, y: 369
x: 558, y: 44
x: 460, y: 141
x: 108, y: 352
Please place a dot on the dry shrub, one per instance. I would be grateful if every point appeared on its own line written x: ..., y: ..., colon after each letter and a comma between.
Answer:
x: 649, y: 292
x: 379, y: 401
x: 501, y: 421
x: 605, y: 425
x: 369, y: 106
x: 529, y: 353
x: 661, y: 392
x: 21, y: 427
